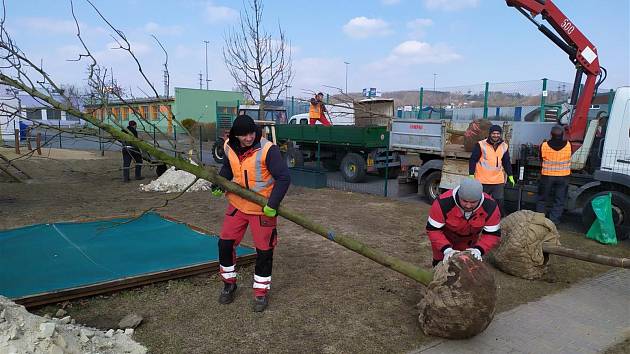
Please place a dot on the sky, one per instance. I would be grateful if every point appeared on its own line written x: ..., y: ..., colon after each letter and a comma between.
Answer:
x: 389, y: 44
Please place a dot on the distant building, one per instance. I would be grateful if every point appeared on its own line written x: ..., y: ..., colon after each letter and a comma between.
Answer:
x: 199, y: 105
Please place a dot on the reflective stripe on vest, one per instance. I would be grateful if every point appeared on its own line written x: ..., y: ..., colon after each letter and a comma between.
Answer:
x: 251, y: 173
x: 556, y: 163
x: 489, y: 169
x: 314, y: 111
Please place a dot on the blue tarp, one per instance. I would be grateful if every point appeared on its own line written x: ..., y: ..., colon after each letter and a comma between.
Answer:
x: 53, y: 257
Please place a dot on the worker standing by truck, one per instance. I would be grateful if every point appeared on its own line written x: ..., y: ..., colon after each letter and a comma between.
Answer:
x: 554, y: 180
x: 317, y: 110
x: 490, y: 162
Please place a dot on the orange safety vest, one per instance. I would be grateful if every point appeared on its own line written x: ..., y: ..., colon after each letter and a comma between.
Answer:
x: 251, y: 173
x: 555, y: 163
x: 489, y: 169
x: 315, y: 111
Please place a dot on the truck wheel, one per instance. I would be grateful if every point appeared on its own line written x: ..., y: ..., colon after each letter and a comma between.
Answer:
x: 620, y: 213
x: 217, y: 151
x: 353, y: 168
x: 432, y: 186
x: 294, y: 158
x: 393, y: 172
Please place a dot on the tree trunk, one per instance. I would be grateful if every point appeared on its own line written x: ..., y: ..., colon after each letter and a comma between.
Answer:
x: 585, y: 256
x: 412, y: 271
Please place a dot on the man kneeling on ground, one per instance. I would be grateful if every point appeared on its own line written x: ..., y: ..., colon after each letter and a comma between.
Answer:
x: 463, y: 219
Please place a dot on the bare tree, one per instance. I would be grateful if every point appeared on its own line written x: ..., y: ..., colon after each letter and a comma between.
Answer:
x: 259, y: 64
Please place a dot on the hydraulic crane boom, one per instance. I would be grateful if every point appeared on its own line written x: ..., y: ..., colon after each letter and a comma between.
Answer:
x: 581, y: 52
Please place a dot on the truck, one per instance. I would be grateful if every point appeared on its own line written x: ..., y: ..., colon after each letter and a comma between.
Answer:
x: 599, y: 166
x: 355, y: 150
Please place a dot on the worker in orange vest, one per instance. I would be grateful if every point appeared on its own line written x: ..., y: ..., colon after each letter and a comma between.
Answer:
x: 489, y: 163
x: 555, y: 156
x: 317, y: 109
x: 254, y: 163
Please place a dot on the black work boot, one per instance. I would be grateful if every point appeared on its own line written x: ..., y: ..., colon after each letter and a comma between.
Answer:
x: 260, y: 303
x: 227, y: 294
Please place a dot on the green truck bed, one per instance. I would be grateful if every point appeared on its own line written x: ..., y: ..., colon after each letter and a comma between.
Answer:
x: 347, y: 135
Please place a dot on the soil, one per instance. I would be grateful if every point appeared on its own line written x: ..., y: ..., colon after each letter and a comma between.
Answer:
x: 324, y: 298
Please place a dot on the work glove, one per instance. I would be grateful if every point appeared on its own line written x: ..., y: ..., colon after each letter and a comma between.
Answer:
x: 448, y: 253
x: 216, y: 190
x: 475, y: 253
x: 511, y: 179
x: 471, y: 176
x: 269, y: 211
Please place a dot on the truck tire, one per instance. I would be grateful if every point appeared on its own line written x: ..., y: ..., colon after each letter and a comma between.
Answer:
x: 620, y: 211
x: 431, y: 186
x: 217, y: 151
x: 294, y: 158
x: 353, y: 168
x: 393, y: 172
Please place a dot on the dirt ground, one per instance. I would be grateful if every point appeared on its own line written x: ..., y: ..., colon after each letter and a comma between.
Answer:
x: 324, y: 298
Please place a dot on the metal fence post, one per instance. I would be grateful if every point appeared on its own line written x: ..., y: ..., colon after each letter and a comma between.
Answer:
x: 543, y: 95
x: 386, y: 171
x: 200, y: 147
x: 100, y: 143
x: 60, y: 133
x: 420, y: 99
x: 485, y: 101
x: 175, y: 138
x: 154, y: 142
x: 292, y: 107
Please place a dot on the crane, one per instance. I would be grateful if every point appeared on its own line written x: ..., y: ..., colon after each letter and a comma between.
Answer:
x: 582, y: 53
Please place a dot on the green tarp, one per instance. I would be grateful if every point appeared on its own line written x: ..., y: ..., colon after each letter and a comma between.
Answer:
x: 53, y: 257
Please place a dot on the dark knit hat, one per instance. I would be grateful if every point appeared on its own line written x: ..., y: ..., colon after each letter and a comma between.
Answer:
x: 243, y: 125
x: 495, y: 128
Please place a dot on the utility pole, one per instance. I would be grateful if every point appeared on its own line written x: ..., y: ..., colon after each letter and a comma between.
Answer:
x: 200, y: 80
x: 434, y: 76
x: 207, y: 81
x: 345, y: 62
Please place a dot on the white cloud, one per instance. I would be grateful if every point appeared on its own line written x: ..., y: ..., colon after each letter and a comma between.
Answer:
x: 390, y: 2
x: 363, y: 27
x: 418, y: 27
x: 49, y: 25
x: 157, y: 29
x: 216, y: 13
x: 414, y: 52
x: 450, y: 5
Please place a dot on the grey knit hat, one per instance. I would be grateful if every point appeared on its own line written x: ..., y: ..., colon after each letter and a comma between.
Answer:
x: 469, y: 189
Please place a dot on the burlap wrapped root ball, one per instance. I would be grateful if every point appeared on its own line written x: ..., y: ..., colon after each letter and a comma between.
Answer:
x: 460, y: 300
x: 521, y: 250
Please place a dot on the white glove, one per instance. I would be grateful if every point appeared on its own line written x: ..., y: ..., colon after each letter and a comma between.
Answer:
x: 475, y: 253
x: 448, y: 253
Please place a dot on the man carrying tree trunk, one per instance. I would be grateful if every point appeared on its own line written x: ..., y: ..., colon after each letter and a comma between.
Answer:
x: 256, y: 164
x: 317, y: 111
x: 463, y: 219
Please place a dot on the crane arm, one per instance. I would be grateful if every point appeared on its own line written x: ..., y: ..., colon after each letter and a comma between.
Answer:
x: 581, y: 52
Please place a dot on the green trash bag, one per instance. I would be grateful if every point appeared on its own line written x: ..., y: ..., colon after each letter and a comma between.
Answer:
x: 603, y: 228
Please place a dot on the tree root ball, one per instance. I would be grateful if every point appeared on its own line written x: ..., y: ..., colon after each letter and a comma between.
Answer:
x: 460, y: 300
x: 521, y: 250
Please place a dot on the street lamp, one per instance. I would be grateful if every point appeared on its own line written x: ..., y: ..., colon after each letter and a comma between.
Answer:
x: 434, y: 76
x: 345, y: 62
x: 207, y: 81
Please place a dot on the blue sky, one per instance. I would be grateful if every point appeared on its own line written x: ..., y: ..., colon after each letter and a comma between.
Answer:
x: 390, y: 44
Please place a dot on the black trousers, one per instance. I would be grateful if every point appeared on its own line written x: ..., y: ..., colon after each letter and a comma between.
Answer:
x: 552, y: 189
x: 129, y: 154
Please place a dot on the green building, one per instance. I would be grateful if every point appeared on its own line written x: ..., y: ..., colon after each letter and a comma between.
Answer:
x: 187, y: 103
